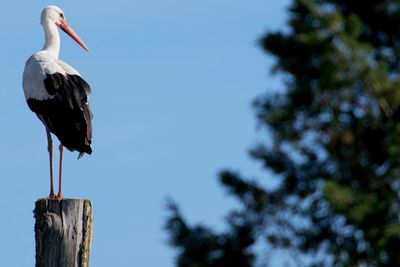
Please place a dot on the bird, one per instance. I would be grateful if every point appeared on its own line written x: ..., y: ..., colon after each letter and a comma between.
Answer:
x: 58, y: 94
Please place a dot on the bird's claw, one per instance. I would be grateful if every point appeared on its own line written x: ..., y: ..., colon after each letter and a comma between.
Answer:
x: 52, y: 196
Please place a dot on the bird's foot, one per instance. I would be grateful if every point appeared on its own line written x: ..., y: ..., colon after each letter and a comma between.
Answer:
x: 59, y: 195
x: 52, y: 196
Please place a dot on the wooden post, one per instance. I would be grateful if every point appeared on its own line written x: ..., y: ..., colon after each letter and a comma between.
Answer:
x: 63, y: 232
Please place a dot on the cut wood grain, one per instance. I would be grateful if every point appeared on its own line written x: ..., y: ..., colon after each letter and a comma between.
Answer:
x: 63, y: 232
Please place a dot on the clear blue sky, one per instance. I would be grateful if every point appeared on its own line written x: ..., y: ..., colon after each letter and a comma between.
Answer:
x: 172, y: 84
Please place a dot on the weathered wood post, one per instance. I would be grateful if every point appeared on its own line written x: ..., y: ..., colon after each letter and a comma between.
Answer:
x: 63, y: 232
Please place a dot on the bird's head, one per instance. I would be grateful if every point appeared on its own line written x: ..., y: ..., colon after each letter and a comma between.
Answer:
x: 54, y: 15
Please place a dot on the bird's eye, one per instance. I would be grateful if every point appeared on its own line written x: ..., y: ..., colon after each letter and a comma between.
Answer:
x: 61, y: 15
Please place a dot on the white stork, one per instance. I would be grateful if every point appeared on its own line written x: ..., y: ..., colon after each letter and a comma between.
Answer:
x: 57, y: 93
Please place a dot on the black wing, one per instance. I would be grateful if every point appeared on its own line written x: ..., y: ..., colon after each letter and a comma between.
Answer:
x: 67, y: 114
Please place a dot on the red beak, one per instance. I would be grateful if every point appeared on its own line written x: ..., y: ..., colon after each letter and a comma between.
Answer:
x: 68, y: 30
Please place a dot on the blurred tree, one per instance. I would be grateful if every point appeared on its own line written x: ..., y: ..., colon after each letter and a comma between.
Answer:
x: 201, y: 247
x: 335, y: 146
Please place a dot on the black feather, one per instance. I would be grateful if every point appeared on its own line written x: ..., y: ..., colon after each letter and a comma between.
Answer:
x: 67, y: 114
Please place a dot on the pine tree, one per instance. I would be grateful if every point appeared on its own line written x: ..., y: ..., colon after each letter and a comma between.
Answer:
x: 335, y: 146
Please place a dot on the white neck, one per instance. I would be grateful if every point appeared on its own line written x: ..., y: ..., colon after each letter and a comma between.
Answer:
x: 52, y: 36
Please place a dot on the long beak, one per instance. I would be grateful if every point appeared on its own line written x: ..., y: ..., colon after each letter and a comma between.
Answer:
x: 68, y: 30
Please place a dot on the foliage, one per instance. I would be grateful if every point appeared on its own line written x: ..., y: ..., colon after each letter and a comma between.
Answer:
x: 202, y: 247
x: 336, y: 141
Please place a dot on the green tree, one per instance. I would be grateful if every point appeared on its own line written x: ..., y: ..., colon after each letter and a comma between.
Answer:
x: 335, y: 146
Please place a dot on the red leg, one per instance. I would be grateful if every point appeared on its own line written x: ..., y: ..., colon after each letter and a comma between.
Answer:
x: 50, y: 149
x: 60, y: 195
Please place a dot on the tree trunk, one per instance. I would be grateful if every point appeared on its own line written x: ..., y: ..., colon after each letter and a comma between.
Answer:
x: 63, y: 232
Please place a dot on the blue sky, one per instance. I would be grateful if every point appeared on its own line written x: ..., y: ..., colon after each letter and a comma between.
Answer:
x: 172, y: 84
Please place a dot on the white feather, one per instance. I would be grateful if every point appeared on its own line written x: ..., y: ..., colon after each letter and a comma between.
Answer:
x: 37, y: 67
x: 46, y: 61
